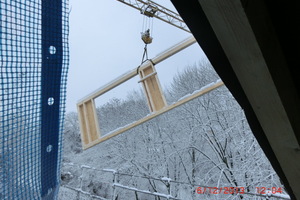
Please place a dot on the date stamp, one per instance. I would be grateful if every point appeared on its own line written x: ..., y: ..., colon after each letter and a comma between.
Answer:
x: 237, y: 190
x: 220, y: 190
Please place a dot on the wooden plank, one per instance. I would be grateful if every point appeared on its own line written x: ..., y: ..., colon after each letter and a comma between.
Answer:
x: 82, y: 123
x: 92, y: 122
x: 86, y: 121
x: 96, y: 120
x: 155, y: 114
x: 152, y: 88
x: 89, y: 126
x: 146, y: 91
x: 149, y: 75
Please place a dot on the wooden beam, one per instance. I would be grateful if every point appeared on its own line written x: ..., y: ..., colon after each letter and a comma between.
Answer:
x: 89, y: 124
x: 83, y: 126
x: 146, y: 77
x: 153, y: 92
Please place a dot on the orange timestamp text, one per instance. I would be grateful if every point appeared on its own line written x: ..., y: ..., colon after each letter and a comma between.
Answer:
x: 236, y: 190
x: 220, y: 190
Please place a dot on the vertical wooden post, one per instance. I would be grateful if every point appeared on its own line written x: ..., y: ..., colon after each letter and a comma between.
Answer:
x: 155, y: 97
x: 88, y: 122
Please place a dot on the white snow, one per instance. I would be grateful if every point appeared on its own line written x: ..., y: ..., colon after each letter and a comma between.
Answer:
x: 144, y: 191
x: 199, y: 90
x: 166, y: 179
x: 87, y: 167
x: 83, y: 192
x: 117, y: 129
x: 284, y: 196
x: 110, y: 170
x: 163, y: 195
x: 70, y: 163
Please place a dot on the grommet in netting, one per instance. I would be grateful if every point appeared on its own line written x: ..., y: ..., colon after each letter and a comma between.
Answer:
x: 49, y: 148
x: 50, y: 101
x: 52, y: 50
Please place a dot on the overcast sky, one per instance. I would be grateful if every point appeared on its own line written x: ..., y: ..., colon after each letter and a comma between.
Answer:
x: 105, y: 42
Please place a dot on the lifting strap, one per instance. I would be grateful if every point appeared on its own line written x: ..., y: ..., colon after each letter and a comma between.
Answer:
x: 145, y: 54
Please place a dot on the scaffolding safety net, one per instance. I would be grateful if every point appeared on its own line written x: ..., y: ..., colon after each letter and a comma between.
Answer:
x: 33, y: 72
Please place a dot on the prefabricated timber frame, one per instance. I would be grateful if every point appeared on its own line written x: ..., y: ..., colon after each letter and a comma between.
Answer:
x: 89, y: 125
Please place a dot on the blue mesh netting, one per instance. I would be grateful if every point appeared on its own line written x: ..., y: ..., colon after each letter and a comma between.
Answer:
x: 33, y: 63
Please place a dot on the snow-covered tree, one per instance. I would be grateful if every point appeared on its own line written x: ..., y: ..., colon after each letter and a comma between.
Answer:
x: 206, y: 141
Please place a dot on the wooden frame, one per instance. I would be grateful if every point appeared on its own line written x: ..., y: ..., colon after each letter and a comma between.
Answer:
x: 153, y: 115
x: 89, y: 124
